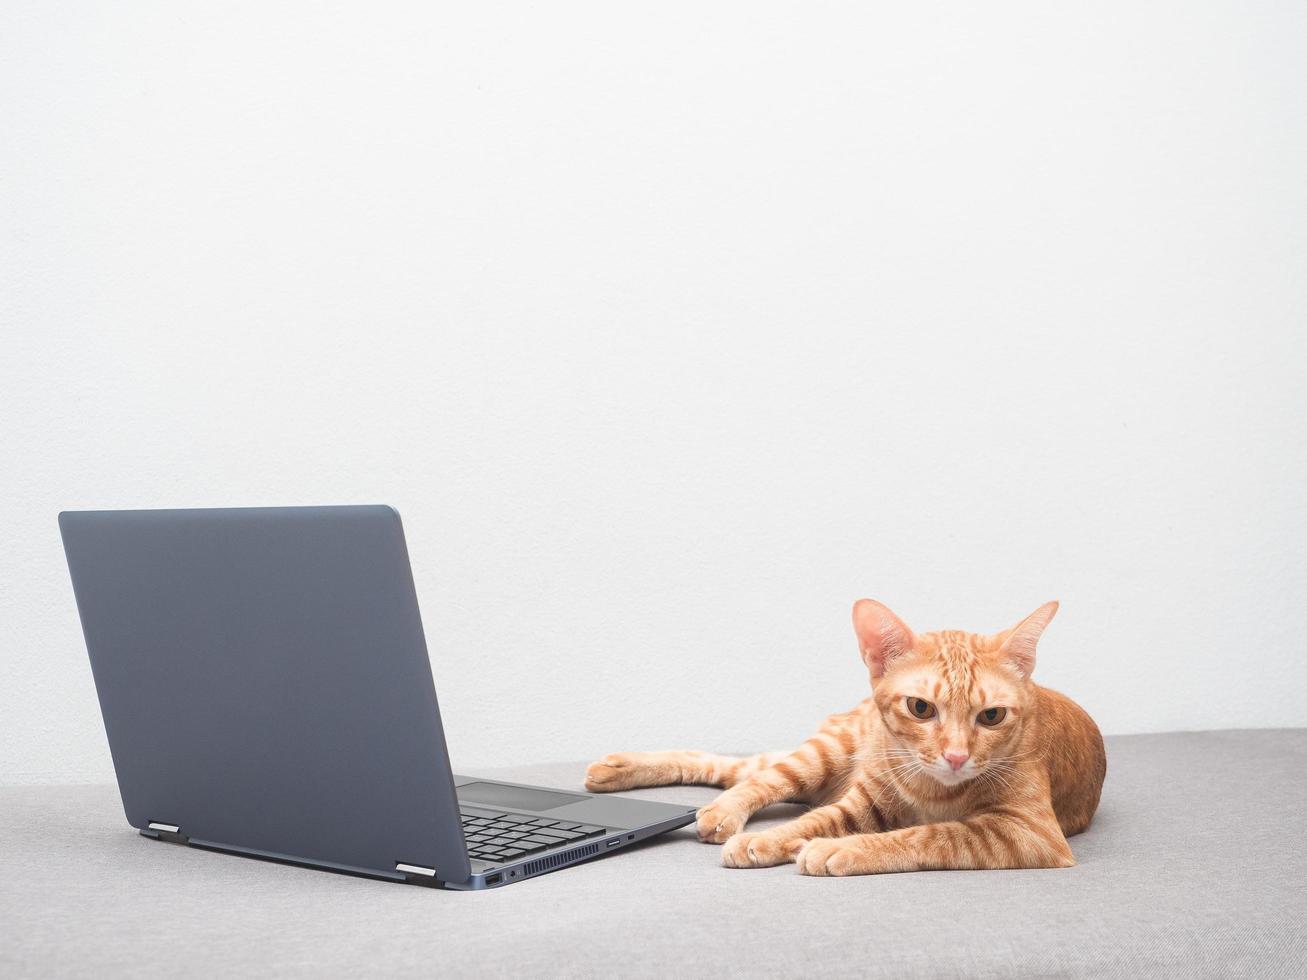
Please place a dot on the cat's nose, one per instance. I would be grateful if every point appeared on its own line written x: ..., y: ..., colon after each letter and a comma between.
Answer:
x: 956, y: 759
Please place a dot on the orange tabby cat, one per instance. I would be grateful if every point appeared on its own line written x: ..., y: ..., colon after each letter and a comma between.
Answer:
x: 957, y: 760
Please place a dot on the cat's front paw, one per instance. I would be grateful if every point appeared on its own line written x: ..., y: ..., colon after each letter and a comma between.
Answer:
x: 719, y: 822
x: 762, y: 850
x: 833, y: 857
x: 617, y: 771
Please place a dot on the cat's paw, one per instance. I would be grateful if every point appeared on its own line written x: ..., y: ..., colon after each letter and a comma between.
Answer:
x: 762, y: 850
x: 719, y: 822
x: 611, y: 773
x: 832, y: 857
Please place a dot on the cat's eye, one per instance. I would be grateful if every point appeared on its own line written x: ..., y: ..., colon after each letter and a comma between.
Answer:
x: 921, y: 708
x: 991, y: 716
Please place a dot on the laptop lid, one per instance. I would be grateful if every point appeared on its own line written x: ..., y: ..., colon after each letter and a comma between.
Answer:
x: 264, y: 682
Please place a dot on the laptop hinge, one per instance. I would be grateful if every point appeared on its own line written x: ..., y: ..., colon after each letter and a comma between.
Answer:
x: 416, y: 874
x: 169, y: 832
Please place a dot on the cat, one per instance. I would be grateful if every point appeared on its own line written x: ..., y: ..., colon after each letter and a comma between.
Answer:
x: 957, y: 760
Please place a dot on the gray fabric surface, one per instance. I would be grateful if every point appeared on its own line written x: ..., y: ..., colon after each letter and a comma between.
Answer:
x: 1195, y: 866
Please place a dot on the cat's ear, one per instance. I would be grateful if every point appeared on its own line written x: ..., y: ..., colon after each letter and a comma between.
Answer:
x: 1018, y: 647
x: 882, y: 636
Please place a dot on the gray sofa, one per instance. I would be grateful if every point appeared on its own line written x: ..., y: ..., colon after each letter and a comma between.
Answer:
x: 1196, y: 866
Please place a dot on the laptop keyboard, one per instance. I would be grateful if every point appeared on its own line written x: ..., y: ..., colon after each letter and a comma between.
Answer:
x: 508, y: 836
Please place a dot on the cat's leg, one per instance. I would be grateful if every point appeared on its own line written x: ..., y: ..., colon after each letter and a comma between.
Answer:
x: 852, y: 813
x: 631, y: 770
x: 802, y: 775
x: 1006, y: 839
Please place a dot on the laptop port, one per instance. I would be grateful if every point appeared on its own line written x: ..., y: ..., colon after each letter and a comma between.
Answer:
x: 495, y: 879
x: 614, y: 842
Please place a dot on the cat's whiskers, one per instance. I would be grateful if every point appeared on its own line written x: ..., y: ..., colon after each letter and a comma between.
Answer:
x: 898, y: 755
x: 914, y: 765
x: 1029, y: 753
x: 1004, y: 776
x: 994, y: 778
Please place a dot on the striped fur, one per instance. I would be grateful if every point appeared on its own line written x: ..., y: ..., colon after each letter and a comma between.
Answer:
x: 884, y: 795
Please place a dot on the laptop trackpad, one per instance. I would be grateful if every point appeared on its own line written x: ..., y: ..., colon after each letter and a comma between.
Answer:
x: 515, y: 797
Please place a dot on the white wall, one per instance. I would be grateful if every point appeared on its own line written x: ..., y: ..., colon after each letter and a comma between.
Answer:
x: 671, y: 331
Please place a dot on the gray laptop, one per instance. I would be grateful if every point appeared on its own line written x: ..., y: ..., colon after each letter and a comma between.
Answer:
x: 266, y: 691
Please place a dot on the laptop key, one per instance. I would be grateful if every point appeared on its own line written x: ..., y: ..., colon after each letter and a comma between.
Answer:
x: 543, y: 841
x: 542, y: 822
x: 512, y: 854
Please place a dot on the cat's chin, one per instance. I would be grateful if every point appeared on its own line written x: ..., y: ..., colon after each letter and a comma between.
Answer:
x: 951, y: 778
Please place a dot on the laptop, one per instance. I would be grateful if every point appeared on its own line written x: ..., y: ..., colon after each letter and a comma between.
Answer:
x: 265, y: 687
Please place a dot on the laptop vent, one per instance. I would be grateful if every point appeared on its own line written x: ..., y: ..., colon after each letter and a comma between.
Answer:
x: 558, y: 860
